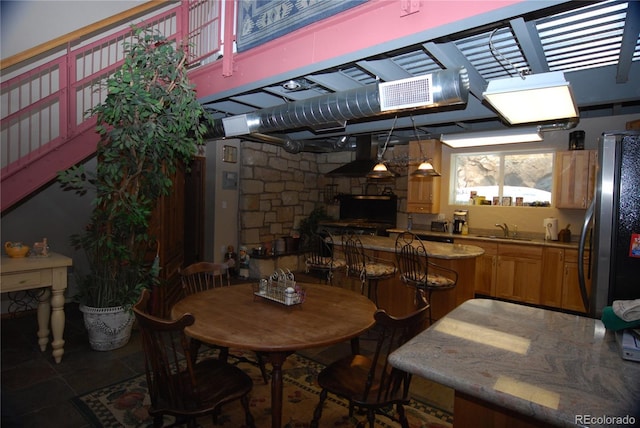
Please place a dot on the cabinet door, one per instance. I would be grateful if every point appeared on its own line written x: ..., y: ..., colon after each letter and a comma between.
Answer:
x: 485, y: 280
x: 552, y: 277
x: 519, y: 273
x: 571, y: 295
x: 423, y: 193
x: 575, y: 178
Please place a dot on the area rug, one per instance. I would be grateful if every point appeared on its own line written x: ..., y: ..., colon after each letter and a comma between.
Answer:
x: 125, y: 404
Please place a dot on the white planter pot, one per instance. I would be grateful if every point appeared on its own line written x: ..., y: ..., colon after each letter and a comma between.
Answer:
x: 108, y: 328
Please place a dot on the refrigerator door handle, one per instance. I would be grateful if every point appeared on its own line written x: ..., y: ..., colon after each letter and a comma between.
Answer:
x: 581, y: 249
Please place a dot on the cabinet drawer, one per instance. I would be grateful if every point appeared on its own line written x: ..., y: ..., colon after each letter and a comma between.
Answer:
x: 523, y: 251
x: 22, y: 281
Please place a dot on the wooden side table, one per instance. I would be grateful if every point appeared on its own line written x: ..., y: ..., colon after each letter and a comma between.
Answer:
x: 49, y: 273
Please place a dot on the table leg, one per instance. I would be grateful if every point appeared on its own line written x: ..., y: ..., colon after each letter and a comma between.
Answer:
x: 277, y: 359
x: 44, y: 314
x: 58, y: 285
x: 57, y: 324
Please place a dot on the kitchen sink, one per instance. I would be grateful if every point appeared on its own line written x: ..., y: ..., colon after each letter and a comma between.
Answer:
x: 504, y: 237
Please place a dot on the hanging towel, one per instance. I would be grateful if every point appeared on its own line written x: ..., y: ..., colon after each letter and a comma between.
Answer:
x: 628, y: 310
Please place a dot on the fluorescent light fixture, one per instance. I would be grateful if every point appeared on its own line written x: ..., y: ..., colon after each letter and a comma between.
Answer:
x: 489, y: 138
x: 532, y: 98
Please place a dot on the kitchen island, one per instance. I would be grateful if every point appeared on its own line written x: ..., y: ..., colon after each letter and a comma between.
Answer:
x: 517, y: 366
x: 398, y: 299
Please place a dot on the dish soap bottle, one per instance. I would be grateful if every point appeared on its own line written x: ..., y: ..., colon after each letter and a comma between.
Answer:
x: 465, y: 228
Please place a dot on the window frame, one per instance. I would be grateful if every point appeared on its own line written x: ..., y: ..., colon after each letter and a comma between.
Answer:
x: 502, y: 154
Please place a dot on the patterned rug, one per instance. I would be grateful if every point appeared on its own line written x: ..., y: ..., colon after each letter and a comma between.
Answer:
x: 125, y: 404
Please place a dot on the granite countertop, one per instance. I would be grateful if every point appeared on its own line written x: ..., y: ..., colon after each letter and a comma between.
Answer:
x: 546, y: 365
x: 491, y: 236
x: 436, y: 250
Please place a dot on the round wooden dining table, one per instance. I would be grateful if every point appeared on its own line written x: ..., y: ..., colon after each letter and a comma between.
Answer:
x: 234, y: 317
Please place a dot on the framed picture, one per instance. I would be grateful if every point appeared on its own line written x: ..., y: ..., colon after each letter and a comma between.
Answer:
x: 506, y: 201
x: 230, y: 154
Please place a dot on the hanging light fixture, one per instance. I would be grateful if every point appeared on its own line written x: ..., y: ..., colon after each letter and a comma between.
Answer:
x: 380, y: 169
x: 425, y: 169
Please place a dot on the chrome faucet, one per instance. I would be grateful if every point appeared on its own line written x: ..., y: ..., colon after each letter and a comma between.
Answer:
x: 505, y: 229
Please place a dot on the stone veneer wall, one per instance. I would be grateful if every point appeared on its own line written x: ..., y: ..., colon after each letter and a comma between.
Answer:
x: 278, y: 189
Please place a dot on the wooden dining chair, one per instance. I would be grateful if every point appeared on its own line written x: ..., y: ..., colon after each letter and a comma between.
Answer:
x: 418, y: 271
x: 368, y: 269
x: 178, y: 386
x: 202, y: 276
x: 320, y: 256
x: 369, y: 382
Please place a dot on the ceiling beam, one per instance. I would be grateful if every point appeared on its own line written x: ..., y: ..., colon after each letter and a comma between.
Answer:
x: 629, y: 38
x: 529, y: 41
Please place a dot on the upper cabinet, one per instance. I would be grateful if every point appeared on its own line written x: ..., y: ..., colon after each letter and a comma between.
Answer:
x: 575, y: 177
x: 423, y: 193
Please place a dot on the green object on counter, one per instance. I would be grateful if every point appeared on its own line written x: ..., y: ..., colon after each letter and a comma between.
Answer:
x: 612, y: 322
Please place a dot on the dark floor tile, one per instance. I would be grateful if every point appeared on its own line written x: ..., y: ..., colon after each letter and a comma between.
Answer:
x: 37, y: 396
x: 29, y: 373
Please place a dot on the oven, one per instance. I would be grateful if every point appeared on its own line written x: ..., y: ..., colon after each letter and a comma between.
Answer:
x: 364, y: 215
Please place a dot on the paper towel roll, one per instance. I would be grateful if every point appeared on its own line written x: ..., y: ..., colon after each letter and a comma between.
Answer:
x: 550, y: 229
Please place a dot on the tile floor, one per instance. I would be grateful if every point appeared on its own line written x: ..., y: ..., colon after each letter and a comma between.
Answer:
x: 37, y: 392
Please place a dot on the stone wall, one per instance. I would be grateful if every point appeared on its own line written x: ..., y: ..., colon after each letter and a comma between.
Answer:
x: 278, y: 189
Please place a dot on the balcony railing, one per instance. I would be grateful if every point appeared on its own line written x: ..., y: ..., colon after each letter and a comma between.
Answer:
x: 45, y: 97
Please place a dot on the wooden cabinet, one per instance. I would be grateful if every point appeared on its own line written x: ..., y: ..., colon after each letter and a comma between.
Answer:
x: 560, y: 285
x: 571, y: 295
x: 167, y: 224
x: 552, y: 276
x: 423, y: 193
x: 575, y: 175
x: 486, y: 267
x: 519, y: 272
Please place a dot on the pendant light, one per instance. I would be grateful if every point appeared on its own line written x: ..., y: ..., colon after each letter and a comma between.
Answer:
x: 380, y: 170
x: 425, y: 169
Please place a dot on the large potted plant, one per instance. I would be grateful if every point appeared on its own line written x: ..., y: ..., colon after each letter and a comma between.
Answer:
x: 149, y: 123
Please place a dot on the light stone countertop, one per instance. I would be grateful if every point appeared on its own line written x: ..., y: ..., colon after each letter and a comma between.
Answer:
x: 546, y: 365
x: 493, y: 236
x: 436, y: 250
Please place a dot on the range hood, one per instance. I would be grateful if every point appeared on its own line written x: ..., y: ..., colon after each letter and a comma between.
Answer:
x: 364, y: 162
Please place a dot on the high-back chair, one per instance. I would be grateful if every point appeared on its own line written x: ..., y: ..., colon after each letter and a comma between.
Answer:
x: 178, y: 386
x: 417, y: 271
x: 202, y: 276
x: 369, y: 382
x: 370, y: 270
x: 319, y: 252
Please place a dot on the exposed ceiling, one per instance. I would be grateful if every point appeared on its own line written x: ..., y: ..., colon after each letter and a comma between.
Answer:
x: 596, y: 45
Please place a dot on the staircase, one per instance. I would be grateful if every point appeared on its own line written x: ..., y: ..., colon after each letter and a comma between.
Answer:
x: 46, y: 91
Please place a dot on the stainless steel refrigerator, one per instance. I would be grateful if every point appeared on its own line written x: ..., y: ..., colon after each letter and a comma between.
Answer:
x: 610, y: 237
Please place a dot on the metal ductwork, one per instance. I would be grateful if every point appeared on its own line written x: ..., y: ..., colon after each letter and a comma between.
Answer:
x: 443, y: 88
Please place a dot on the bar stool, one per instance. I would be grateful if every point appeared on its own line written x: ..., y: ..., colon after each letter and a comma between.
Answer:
x: 416, y: 270
x: 368, y: 269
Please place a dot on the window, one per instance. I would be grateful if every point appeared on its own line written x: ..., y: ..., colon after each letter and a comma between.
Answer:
x: 501, y: 177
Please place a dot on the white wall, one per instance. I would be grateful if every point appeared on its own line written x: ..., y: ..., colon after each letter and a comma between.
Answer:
x: 27, y: 23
